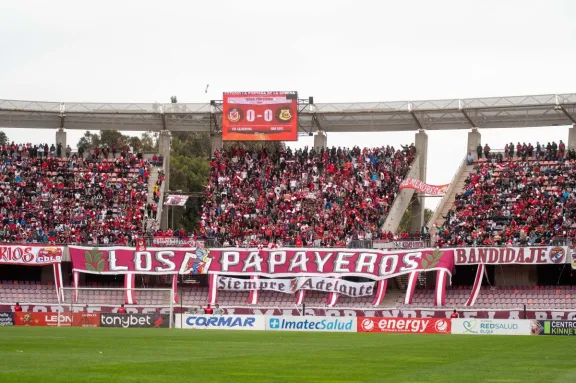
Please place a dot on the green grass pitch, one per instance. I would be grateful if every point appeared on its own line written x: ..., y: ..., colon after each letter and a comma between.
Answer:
x: 43, y: 354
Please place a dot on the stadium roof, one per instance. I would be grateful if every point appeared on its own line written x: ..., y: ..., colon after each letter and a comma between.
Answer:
x: 493, y: 112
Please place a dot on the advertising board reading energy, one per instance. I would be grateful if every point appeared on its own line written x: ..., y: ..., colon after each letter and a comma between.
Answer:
x: 260, y: 116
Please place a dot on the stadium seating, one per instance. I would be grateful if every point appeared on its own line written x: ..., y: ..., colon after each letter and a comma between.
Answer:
x: 302, y: 198
x: 514, y: 200
x: 46, y: 199
x: 502, y: 297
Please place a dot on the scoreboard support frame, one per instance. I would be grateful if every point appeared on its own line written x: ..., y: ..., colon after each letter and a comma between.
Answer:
x: 303, y: 104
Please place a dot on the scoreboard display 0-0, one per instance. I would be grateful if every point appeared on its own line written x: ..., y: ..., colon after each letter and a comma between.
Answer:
x: 260, y: 116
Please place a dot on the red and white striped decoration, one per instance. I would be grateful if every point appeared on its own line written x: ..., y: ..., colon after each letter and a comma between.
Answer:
x: 129, y: 294
x: 440, y: 292
x: 380, y: 292
x: 76, y: 276
x: 412, y: 282
x: 175, y: 289
x: 333, y: 297
x: 254, y: 294
x: 477, y: 285
x: 212, y: 289
x: 300, y: 296
x: 58, y: 281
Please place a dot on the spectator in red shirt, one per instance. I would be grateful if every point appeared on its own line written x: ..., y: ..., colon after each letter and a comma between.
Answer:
x: 208, y: 310
x: 122, y: 310
x: 17, y: 308
x: 455, y: 315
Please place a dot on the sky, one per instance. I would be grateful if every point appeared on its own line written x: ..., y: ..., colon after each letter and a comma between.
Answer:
x: 337, y: 51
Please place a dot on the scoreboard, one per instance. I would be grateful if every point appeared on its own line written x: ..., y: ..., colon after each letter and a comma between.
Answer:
x: 260, y: 116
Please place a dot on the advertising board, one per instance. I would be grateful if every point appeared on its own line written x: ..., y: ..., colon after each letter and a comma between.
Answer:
x: 404, y: 325
x: 221, y: 322
x: 491, y: 326
x: 6, y: 319
x: 306, y: 323
x: 135, y: 320
x: 554, y: 327
x: 51, y: 319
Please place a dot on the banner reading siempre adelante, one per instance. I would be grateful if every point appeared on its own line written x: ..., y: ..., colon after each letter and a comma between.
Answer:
x: 264, y: 262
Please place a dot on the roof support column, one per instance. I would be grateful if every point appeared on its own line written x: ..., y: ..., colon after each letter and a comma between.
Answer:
x: 164, y: 138
x: 215, y: 143
x: 417, y: 203
x: 61, y: 139
x: 474, y: 139
x: 572, y: 137
x: 320, y: 139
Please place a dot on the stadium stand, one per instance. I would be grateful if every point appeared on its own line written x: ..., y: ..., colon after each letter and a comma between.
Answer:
x: 502, y: 297
x: 303, y: 197
x: 47, y: 198
x: 294, y: 198
x: 520, y: 197
x: 495, y: 297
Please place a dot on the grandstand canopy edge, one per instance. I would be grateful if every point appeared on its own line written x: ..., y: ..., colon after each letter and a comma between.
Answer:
x: 493, y: 112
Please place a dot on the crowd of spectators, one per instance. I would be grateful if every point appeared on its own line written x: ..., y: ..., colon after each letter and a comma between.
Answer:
x: 306, y: 197
x: 520, y: 197
x: 47, y: 197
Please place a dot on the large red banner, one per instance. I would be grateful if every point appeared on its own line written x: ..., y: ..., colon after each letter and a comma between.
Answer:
x: 371, y: 264
x: 404, y: 325
x: 260, y: 116
x: 534, y: 255
x: 125, y: 260
x: 267, y: 262
x: 30, y: 255
x: 51, y: 319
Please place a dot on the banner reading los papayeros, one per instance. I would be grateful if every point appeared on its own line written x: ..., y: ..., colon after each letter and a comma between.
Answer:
x: 534, y: 255
x: 31, y: 255
x: 125, y: 260
x: 371, y: 264
x: 405, y: 325
x: 290, y: 286
x: 423, y: 187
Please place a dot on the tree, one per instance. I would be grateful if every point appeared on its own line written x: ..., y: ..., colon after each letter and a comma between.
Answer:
x: 189, y: 174
x: 3, y: 138
x: 405, y: 222
x: 111, y: 137
x: 88, y: 140
x: 147, y: 141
